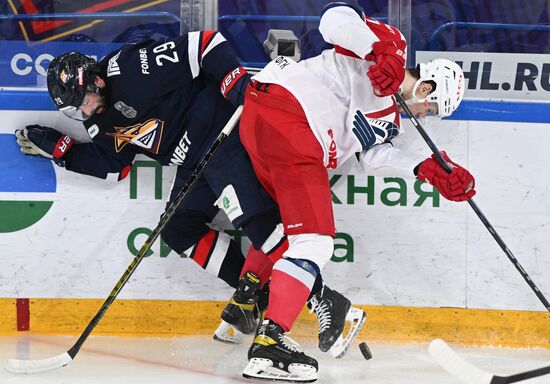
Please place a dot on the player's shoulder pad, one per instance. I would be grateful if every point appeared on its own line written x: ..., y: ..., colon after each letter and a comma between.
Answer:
x: 335, y: 4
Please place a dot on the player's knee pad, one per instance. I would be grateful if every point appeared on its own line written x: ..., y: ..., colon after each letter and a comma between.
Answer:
x: 310, y: 246
x: 287, y: 270
x: 307, y: 265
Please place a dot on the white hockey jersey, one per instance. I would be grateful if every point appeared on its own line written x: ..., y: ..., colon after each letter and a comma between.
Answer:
x: 337, y: 97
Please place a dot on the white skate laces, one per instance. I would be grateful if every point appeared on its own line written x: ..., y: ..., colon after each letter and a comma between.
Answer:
x: 289, y: 343
x: 322, y: 312
x: 354, y: 318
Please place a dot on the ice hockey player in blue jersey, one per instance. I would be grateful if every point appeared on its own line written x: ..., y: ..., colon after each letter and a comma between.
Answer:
x: 169, y: 100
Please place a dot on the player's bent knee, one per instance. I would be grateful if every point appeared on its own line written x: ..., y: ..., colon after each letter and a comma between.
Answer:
x: 179, y: 240
x: 310, y: 246
x: 184, y: 230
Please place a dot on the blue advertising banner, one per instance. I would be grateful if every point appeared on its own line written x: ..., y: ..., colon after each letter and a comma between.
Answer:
x: 24, y: 64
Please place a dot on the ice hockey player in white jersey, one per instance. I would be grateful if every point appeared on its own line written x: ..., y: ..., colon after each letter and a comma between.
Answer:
x: 300, y: 119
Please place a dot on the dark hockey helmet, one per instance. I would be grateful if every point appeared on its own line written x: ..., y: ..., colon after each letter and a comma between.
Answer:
x: 70, y: 76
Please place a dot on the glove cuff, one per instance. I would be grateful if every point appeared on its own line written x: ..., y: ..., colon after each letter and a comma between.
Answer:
x: 62, y: 146
x: 416, y: 169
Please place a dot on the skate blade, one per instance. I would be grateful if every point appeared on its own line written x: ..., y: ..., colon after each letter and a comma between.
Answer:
x: 263, y: 369
x: 226, y: 333
x: 356, y: 317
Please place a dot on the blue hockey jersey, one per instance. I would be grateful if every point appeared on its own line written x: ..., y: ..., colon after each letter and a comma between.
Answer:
x: 165, y: 100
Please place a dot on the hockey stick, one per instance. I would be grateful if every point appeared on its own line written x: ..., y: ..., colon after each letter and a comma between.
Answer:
x: 48, y: 364
x: 474, y: 206
x: 469, y: 373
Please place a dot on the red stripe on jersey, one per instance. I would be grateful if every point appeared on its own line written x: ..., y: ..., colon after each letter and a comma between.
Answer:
x: 125, y: 171
x: 204, y: 248
x: 206, y: 38
x: 385, y: 112
x: 345, y: 52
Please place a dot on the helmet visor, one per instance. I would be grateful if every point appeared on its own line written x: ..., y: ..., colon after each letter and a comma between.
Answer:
x: 91, y: 103
x: 75, y: 113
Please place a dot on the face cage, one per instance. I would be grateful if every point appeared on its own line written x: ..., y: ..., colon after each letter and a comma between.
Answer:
x: 443, y: 102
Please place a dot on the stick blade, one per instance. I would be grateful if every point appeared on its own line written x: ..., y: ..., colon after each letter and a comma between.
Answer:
x: 457, y: 366
x: 37, y: 366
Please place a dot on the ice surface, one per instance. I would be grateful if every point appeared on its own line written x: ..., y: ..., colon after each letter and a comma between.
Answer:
x: 199, y: 359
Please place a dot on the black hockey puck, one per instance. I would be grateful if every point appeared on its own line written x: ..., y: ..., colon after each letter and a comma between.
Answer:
x: 365, y: 351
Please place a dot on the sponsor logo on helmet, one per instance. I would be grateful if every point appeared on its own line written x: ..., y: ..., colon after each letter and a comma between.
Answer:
x: 64, y: 76
x: 460, y: 83
x: 80, y: 76
x: 146, y: 135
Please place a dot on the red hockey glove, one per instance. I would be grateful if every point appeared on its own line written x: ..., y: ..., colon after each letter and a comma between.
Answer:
x: 388, y: 73
x: 43, y: 141
x: 456, y: 186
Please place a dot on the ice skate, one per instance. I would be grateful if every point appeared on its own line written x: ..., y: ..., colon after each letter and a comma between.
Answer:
x: 242, y: 314
x: 333, y: 310
x: 275, y: 357
x: 226, y: 333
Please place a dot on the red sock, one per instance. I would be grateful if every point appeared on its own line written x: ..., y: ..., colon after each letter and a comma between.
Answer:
x: 288, y: 292
x: 277, y: 253
x: 259, y: 264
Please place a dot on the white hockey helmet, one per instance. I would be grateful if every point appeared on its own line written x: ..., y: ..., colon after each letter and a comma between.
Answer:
x: 449, y: 84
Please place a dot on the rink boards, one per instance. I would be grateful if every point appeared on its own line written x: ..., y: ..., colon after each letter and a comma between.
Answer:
x: 385, y: 324
x: 401, y: 250
x: 421, y: 266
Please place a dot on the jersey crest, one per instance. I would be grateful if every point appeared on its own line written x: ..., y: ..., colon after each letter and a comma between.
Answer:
x: 145, y: 135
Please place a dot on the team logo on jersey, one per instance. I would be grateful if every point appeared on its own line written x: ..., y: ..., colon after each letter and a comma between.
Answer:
x: 145, y: 135
x: 371, y: 131
x: 113, y: 69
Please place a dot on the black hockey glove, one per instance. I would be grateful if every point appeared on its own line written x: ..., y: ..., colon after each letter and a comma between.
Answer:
x: 38, y: 140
